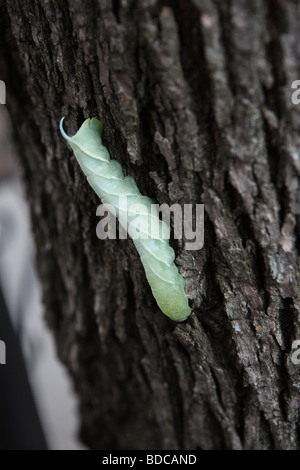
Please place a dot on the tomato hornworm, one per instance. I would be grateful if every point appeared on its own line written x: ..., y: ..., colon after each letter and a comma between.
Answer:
x: 135, y: 214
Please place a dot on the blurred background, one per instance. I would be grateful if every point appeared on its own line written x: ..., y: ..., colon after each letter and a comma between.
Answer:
x: 38, y: 407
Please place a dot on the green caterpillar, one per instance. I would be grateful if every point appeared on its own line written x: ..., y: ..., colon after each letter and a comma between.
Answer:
x: 108, y: 181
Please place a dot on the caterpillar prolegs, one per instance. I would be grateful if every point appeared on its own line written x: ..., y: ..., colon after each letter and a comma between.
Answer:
x: 106, y: 178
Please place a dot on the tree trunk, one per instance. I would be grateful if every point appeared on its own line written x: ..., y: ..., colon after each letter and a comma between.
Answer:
x: 195, y: 97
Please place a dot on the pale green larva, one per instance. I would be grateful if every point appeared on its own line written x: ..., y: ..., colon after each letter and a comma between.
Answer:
x: 108, y: 181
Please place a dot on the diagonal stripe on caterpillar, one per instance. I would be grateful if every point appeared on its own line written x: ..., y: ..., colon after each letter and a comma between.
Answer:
x: 108, y: 181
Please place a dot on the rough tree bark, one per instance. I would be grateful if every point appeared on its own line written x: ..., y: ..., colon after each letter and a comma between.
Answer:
x: 195, y: 96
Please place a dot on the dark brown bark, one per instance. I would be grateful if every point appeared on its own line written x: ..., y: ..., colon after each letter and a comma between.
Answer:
x: 195, y: 96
